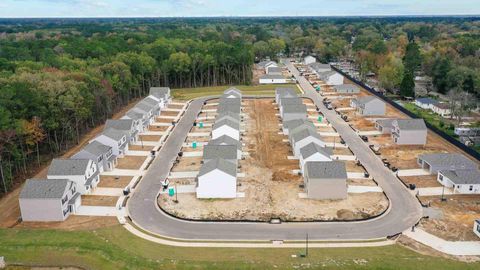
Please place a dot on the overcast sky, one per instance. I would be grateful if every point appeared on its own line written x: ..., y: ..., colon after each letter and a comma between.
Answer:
x: 185, y: 8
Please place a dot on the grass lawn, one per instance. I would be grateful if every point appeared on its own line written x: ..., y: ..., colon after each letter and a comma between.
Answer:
x: 431, y: 117
x: 189, y: 93
x: 115, y: 248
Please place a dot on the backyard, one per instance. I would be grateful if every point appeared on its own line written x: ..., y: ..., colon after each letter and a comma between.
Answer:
x: 190, y: 93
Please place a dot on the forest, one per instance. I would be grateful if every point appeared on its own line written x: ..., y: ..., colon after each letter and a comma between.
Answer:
x: 59, y: 78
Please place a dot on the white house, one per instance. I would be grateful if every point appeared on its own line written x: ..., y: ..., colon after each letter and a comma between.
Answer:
x: 217, y: 179
x: 425, y: 103
x: 272, y: 79
x: 114, y: 138
x: 288, y: 126
x: 139, y: 122
x: 125, y: 125
x: 304, y: 137
x: 146, y: 109
x: 226, y: 127
x: 309, y: 60
x: 314, y: 152
x: 100, y: 153
x: 368, y: 105
x: 266, y: 64
x: 84, y: 172
x: 232, y: 92
x: 409, y: 132
x: 226, y: 140
x: 46, y: 200
x: 462, y: 181
x: 442, y: 109
x: 162, y: 94
x: 283, y: 92
x: 319, y: 67
x: 331, y: 77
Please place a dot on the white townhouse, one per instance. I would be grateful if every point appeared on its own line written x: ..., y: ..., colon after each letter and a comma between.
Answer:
x: 84, y: 172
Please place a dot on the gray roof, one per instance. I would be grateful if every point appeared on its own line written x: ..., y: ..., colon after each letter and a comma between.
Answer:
x: 220, y: 164
x: 229, y: 107
x: 96, y: 148
x: 452, y: 160
x: 142, y: 106
x: 291, y: 124
x: 292, y: 108
x: 285, y: 91
x: 229, y: 114
x: 159, y: 92
x: 264, y: 63
x: 410, y: 124
x: 365, y: 99
x: 307, y: 132
x: 212, y: 151
x: 290, y: 100
x: 387, y: 122
x: 426, y: 100
x: 326, y: 170
x: 227, y: 122
x: 121, y: 124
x: 114, y: 134
x: 274, y: 69
x: 224, y: 100
x: 317, y: 66
x: 236, y: 90
x: 271, y: 76
x: 134, y: 115
x: 312, y: 148
x: 226, y: 140
x: 221, y: 117
x: 347, y: 88
x: 68, y: 167
x: 465, y: 177
x: 307, y: 125
x: 326, y: 74
x: 44, y: 188
x: 150, y: 101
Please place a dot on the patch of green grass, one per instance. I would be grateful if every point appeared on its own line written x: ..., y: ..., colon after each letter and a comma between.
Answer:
x: 431, y: 117
x: 190, y: 93
x: 115, y: 248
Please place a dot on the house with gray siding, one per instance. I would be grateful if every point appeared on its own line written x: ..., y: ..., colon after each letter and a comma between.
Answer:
x: 141, y: 121
x: 325, y: 180
x: 368, y: 105
x: 46, y: 200
x: 409, y: 132
x: 100, y: 153
x: 435, y: 162
x: 84, y: 172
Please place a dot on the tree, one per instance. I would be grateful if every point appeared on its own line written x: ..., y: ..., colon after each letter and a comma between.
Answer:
x: 441, y: 67
x: 407, y: 85
x: 412, y: 59
x: 390, y: 75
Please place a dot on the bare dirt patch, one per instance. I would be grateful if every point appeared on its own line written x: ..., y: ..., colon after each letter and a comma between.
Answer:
x: 150, y: 138
x: 93, y: 200
x: 423, y: 181
x: 169, y: 113
x: 130, y: 162
x: 141, y: 147
x: 114, y: 181
x: 187, y: 164
x: 270, y: 187
x: 73, y: 223
x: 158, y: 128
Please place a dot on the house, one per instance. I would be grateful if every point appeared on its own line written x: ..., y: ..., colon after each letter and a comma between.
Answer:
x: 274, y: 71
x: 462, y: 181
x: 309, y: 60
x: 294, y: 130
x: 347, y: 89
x: 114, y: 138
x: 154, y: 103
x: 272, y: 79
x: 125, y: 125
x: 232, y: 92
x: 319, y: 67
x: 281, y: 92
x: 476, y: 227
x: 145, y: 109
x: 162, y: 94
x: 325, y: 180
x: 100, y: 153
x: 331, y: 77
x: 294, y: 111
x: 226, y: 140
x: 226, y: 152
x: 288, y: 101
x: 84, y: 172
x: 314, y: 152
x: 384, y: 125
x: 368, y: 105
x: 409, y: 132
x: 292, y: 124
x: 470, y: 140
x: 228, y: 115
x: 217, y: 179
x: 425, y: 103
x: 226, y: 127
x: 232, y: 107
x: 442, y: 109
x: 266, y: 64
x: 304, y: 137
x: 48, y: 199
x: 435, y: 162
x: 139, y: 122
x: 467, y: 131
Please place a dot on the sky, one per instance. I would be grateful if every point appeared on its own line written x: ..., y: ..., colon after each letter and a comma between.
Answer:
x: 201, y: 8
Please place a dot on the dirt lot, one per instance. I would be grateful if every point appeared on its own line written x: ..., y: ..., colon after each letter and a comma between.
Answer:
x: 114, y: 181
x: 130, y: 162
x: 459, y: 212
x: 422, y: 181
x: 169, y: 113
x: 140, y: 147
x: 163, y: 120
x: 150, y: 138
x: 94, y: 200
x: 73, y: 223
x: 158, y: 128
x: 270, y: 188
x: 188, y: 164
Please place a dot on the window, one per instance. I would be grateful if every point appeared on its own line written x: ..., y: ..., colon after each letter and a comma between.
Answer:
x: 470, y: 188
x: 64, y: 200
x: 478, y: 227
x: 440, y: 177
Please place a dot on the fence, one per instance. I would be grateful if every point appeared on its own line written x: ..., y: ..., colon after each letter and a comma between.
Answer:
x: 441, y: 133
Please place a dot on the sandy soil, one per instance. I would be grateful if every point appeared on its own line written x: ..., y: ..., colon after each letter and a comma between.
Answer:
x: 114, y: 181
x: 150, y: 138
x: 169, y: 113
x: 422, y: 181
x: 140, y: 147
x: 158, y: 128
x: 73, y: 223
x: 270, y: 188
x: 187, y: 164
x: 459, y: 212
x: 130, y: 162
x: 163, y: 120
x: 94, y: 200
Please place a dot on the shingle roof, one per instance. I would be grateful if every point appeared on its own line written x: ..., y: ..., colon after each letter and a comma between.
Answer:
x: 227, y: 122
x: 120, y: 124
x: 220, y: 164
x: 290, y: 100
x: 452, y: 160
x: 466, y: 177
x: 142, y: 106
x: 212, y: 151
x: 134, y: 115
x: 225, y: 100
x: 159, y: 92
x: 271, y: 76
x: 68, y: 167
x: 347, y: 88
x: 313, y: 148
x: 308, y: 125
x: 326, y: 170
x: 443, y: 106
x: 385, y: 122
x: 291, y: 124
x: 326, y: 74
x: 226, y: 140
x: 426, y: 100
x: 150, y: 101
x: 114, y: 134
x: 232, y: 107
x: 44, y: 188
x: 96, y: 148
x: 307, y: 132
x: 294, y: 108
x: 317, y: 66
x: 274, y: 70
x: 229, y: 114
x: 410, y: 124
x: 285, y: 91
x: 265, y: 63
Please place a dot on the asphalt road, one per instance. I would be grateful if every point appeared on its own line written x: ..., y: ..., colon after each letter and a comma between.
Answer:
x: 405, y: 211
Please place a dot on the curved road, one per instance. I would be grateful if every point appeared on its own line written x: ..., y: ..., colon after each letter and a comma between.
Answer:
x: 404, y: 212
